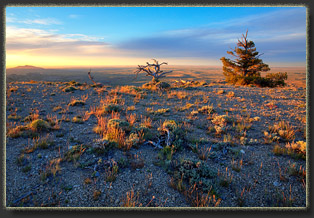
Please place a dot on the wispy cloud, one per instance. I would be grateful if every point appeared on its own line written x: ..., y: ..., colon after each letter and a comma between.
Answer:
x: 40, y: 21
x: 74, y: 16
x: 283, y: 31
x: 38, y: 41
x: 46, y: 21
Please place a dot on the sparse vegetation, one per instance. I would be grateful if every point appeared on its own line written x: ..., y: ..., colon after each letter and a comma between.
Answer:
x: 193, y: 144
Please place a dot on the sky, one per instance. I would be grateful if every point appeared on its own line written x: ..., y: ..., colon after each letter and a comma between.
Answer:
x: 53, y: 37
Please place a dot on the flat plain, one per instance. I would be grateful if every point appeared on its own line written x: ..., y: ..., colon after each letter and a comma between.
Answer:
x: 199, y: 143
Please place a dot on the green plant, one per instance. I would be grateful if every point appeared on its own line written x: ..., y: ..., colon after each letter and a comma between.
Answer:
x: 74, y: 153
x: 236, y: 165
x: 44, y: 142
x: 225, y: 177
x: 247, y: 66
x: 203, y: 152
x: 21, y: 160
x: 112, y: 172
x: 26, y: 169
x: 119, y: 124
x: 39, y: 125
x: 277, y: 79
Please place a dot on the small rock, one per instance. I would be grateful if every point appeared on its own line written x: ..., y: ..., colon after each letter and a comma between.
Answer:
x: 276, y: 183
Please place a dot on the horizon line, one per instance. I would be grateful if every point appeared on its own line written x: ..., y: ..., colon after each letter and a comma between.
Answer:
x: 135, y: 65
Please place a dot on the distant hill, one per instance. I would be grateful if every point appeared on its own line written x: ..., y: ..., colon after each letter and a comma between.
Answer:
x: 27, y: 67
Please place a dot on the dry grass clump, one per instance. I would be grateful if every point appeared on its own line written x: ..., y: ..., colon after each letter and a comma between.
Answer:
x: 40, y: 142
x: 112, y: 172
x: 131, y: 118
x: 14, y: 116
x: 221, y: 120
x: 17, y: 131
x: 203, y: 152
x: 51, y: 169
x: 136, y: 161
x: 230, y: 94
x: 101, y: 125
x: 146, y: 122
x: 177, y: 94
x: 131, y: 90
x: 35, y: 126
x: 206, y: 109
x: 69, y: 89
x: 132, y: 141
x: 298, y: 147
x: 74, y: 153
x: 77, y: 119
x: 31, y: 117
x: 284, y: 130
x: 225, y: 177
x: 115, y: 135
x: 112, y: 108
x: 186, y: 107
x: 160, y: 111
x: 159, y: 86
x: 197, y: 198
x: 77, y: 102
x: 295, y: 149
x: 96, y: 195
x: 131, y: 200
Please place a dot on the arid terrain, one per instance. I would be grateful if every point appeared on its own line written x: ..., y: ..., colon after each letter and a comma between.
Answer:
x: 198, y: 143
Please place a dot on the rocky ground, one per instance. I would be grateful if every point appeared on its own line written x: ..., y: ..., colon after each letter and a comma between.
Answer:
x: 192, y: 145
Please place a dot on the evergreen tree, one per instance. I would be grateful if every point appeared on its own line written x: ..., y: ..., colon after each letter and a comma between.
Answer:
x: 246, y: 66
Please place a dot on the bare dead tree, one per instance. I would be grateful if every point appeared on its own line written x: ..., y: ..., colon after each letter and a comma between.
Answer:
x: 92, y: 79
x: 152, y: 70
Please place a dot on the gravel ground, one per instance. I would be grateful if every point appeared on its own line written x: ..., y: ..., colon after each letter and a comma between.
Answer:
x: 263, y: 180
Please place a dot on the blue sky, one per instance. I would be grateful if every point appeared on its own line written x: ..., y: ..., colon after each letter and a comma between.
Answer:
x: 98, y: 36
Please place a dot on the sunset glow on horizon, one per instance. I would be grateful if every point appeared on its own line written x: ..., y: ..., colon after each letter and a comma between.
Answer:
x: 117, y: 36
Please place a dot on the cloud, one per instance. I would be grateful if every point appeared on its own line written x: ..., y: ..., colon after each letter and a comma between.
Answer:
x: 74, y: 16
x: 281, y: 32
x: 46, y: 21
x: 38, y: 41
x: 42, y: 21
x: 280, y: 35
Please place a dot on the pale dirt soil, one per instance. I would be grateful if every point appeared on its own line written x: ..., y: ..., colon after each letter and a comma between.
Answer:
x: 264, y: 180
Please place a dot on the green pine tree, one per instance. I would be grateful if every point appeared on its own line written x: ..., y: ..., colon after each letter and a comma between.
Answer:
x: 246, y: 67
